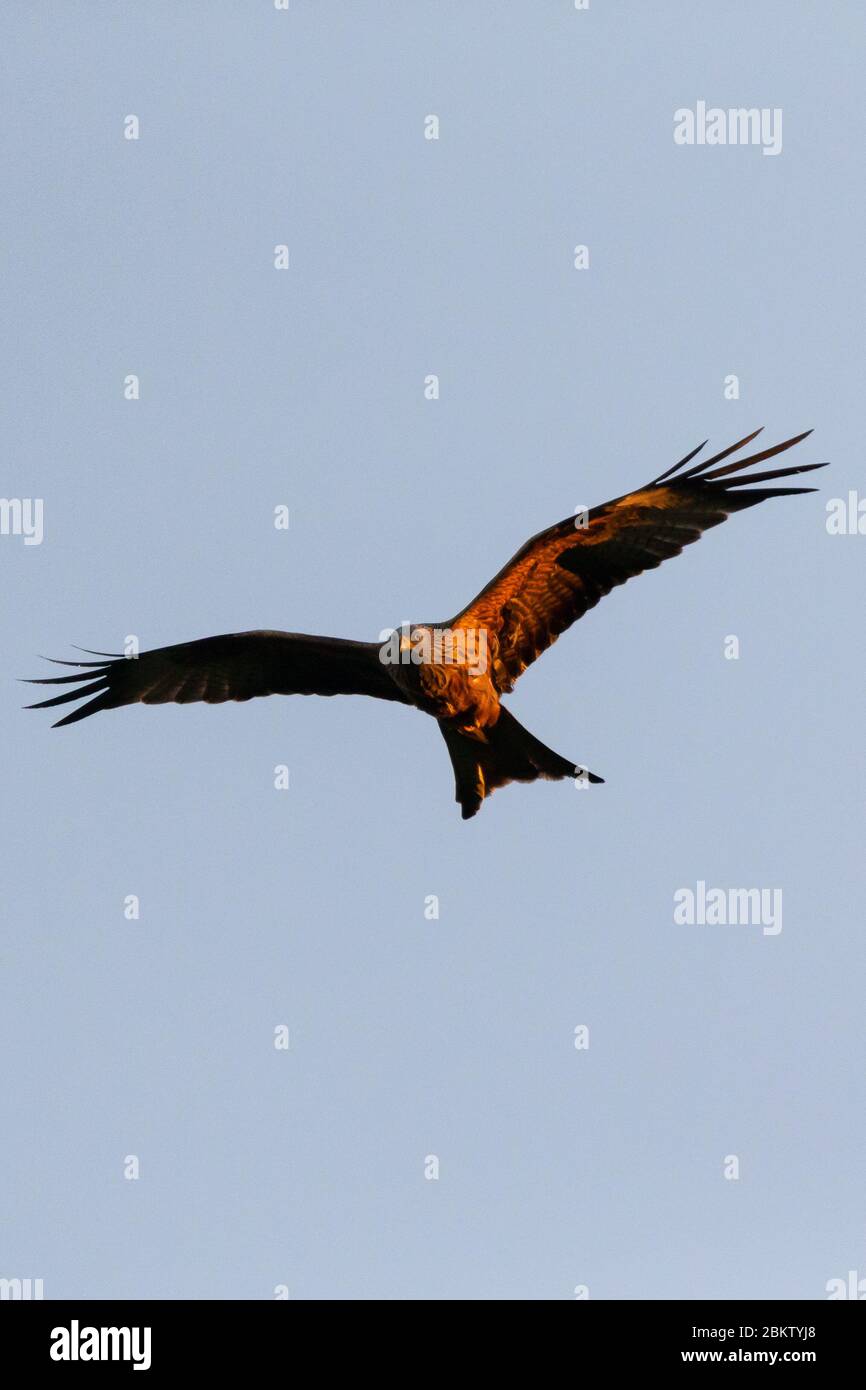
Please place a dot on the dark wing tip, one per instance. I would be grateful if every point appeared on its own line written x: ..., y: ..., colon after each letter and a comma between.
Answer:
x: 679, y: 473
x: 682, y: 463
x: 55, y: 661
x: 740, y: 464
x: 767, y: 474
x: 100, y: 686
x: 90, y: 678
x: 92, y: 707
x: 706, y: 463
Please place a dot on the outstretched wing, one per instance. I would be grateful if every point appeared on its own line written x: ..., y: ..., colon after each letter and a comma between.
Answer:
x: 562, y: 572
x: 236, y: 666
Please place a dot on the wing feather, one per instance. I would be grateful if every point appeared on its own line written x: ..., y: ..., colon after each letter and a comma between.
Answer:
x: 561, y: 573
x: 235, y: 666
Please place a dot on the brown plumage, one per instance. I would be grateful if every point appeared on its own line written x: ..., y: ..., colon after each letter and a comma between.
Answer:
x: 554, y: 579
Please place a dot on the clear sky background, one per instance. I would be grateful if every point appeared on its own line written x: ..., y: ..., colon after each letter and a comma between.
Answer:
x: 412, y: 1037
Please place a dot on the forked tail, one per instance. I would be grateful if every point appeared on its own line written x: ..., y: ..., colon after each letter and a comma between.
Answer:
x: 511, y: 754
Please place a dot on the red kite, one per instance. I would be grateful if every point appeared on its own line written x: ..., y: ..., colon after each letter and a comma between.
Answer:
x: 457, y: 671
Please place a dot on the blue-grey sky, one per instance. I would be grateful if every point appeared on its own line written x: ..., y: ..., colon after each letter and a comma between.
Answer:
x: 410, y: 1037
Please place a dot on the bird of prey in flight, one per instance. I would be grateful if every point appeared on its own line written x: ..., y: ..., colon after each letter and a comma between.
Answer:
x: 457, y: 671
